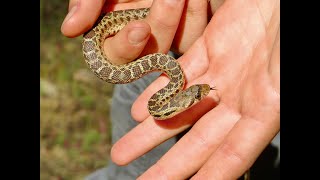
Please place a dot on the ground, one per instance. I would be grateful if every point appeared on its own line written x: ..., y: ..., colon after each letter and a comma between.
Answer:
x: 74, y: 104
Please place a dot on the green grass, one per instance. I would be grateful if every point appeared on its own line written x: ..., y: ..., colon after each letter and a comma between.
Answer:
x: 74, y: 104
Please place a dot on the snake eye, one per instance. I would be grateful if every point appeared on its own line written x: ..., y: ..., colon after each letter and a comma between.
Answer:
x: 198, y: 96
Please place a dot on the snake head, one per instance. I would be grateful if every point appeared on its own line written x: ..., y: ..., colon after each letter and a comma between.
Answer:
x: 182, y: 101
x: 199, y: 91
x: 192, y: 95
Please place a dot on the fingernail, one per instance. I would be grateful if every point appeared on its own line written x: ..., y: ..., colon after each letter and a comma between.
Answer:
x: 137, y: 35
x: 71, y: 12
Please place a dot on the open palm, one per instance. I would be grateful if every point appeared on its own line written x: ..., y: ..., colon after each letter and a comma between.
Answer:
x: 238, y: 53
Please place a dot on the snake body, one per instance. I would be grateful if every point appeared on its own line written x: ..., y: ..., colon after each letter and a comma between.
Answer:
x: 164, y: 104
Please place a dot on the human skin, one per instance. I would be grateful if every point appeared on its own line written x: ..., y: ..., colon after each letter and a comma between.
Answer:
x: 176, y: 29
x: 238, y: 53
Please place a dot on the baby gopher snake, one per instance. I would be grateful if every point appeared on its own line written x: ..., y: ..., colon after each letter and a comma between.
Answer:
x: 168, y: 101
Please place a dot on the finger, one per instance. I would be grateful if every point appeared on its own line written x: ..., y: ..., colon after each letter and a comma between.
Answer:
x: 192, y: 24
x: 240, y: 149
x: 128, y: 43
x: 151, y: 133
x: 81, y: 17
x: 164, y: 19
x: 193, y: 67
x: 196, y: 146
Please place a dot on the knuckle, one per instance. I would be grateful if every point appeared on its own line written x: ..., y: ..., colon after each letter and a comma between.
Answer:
x: 163, y: 22
x: 232, y: 154
x: 200, y: 138
x: 160, y: 171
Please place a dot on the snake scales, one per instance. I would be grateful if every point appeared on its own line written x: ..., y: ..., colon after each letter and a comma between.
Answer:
x: 168, y: 101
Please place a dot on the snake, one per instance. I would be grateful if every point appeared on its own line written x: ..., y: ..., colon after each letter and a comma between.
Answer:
x: 165, y: 103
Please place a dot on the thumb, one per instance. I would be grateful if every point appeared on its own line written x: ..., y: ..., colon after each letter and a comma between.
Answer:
x: 81, y: 16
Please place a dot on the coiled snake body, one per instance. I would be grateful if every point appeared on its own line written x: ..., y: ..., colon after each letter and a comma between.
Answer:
x: 168, y: 101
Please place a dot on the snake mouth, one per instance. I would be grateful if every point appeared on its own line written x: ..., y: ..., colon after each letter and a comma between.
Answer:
x: 164, y: 116
x: 156, y: 115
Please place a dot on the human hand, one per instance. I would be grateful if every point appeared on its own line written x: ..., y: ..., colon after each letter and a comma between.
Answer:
x: 238, y: 53
x: 171, y: 23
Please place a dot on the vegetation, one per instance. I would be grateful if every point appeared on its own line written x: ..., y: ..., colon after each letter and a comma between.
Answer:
x: 74, y: 104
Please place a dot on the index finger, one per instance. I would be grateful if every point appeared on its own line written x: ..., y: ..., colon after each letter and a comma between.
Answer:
x: 81, y: 16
